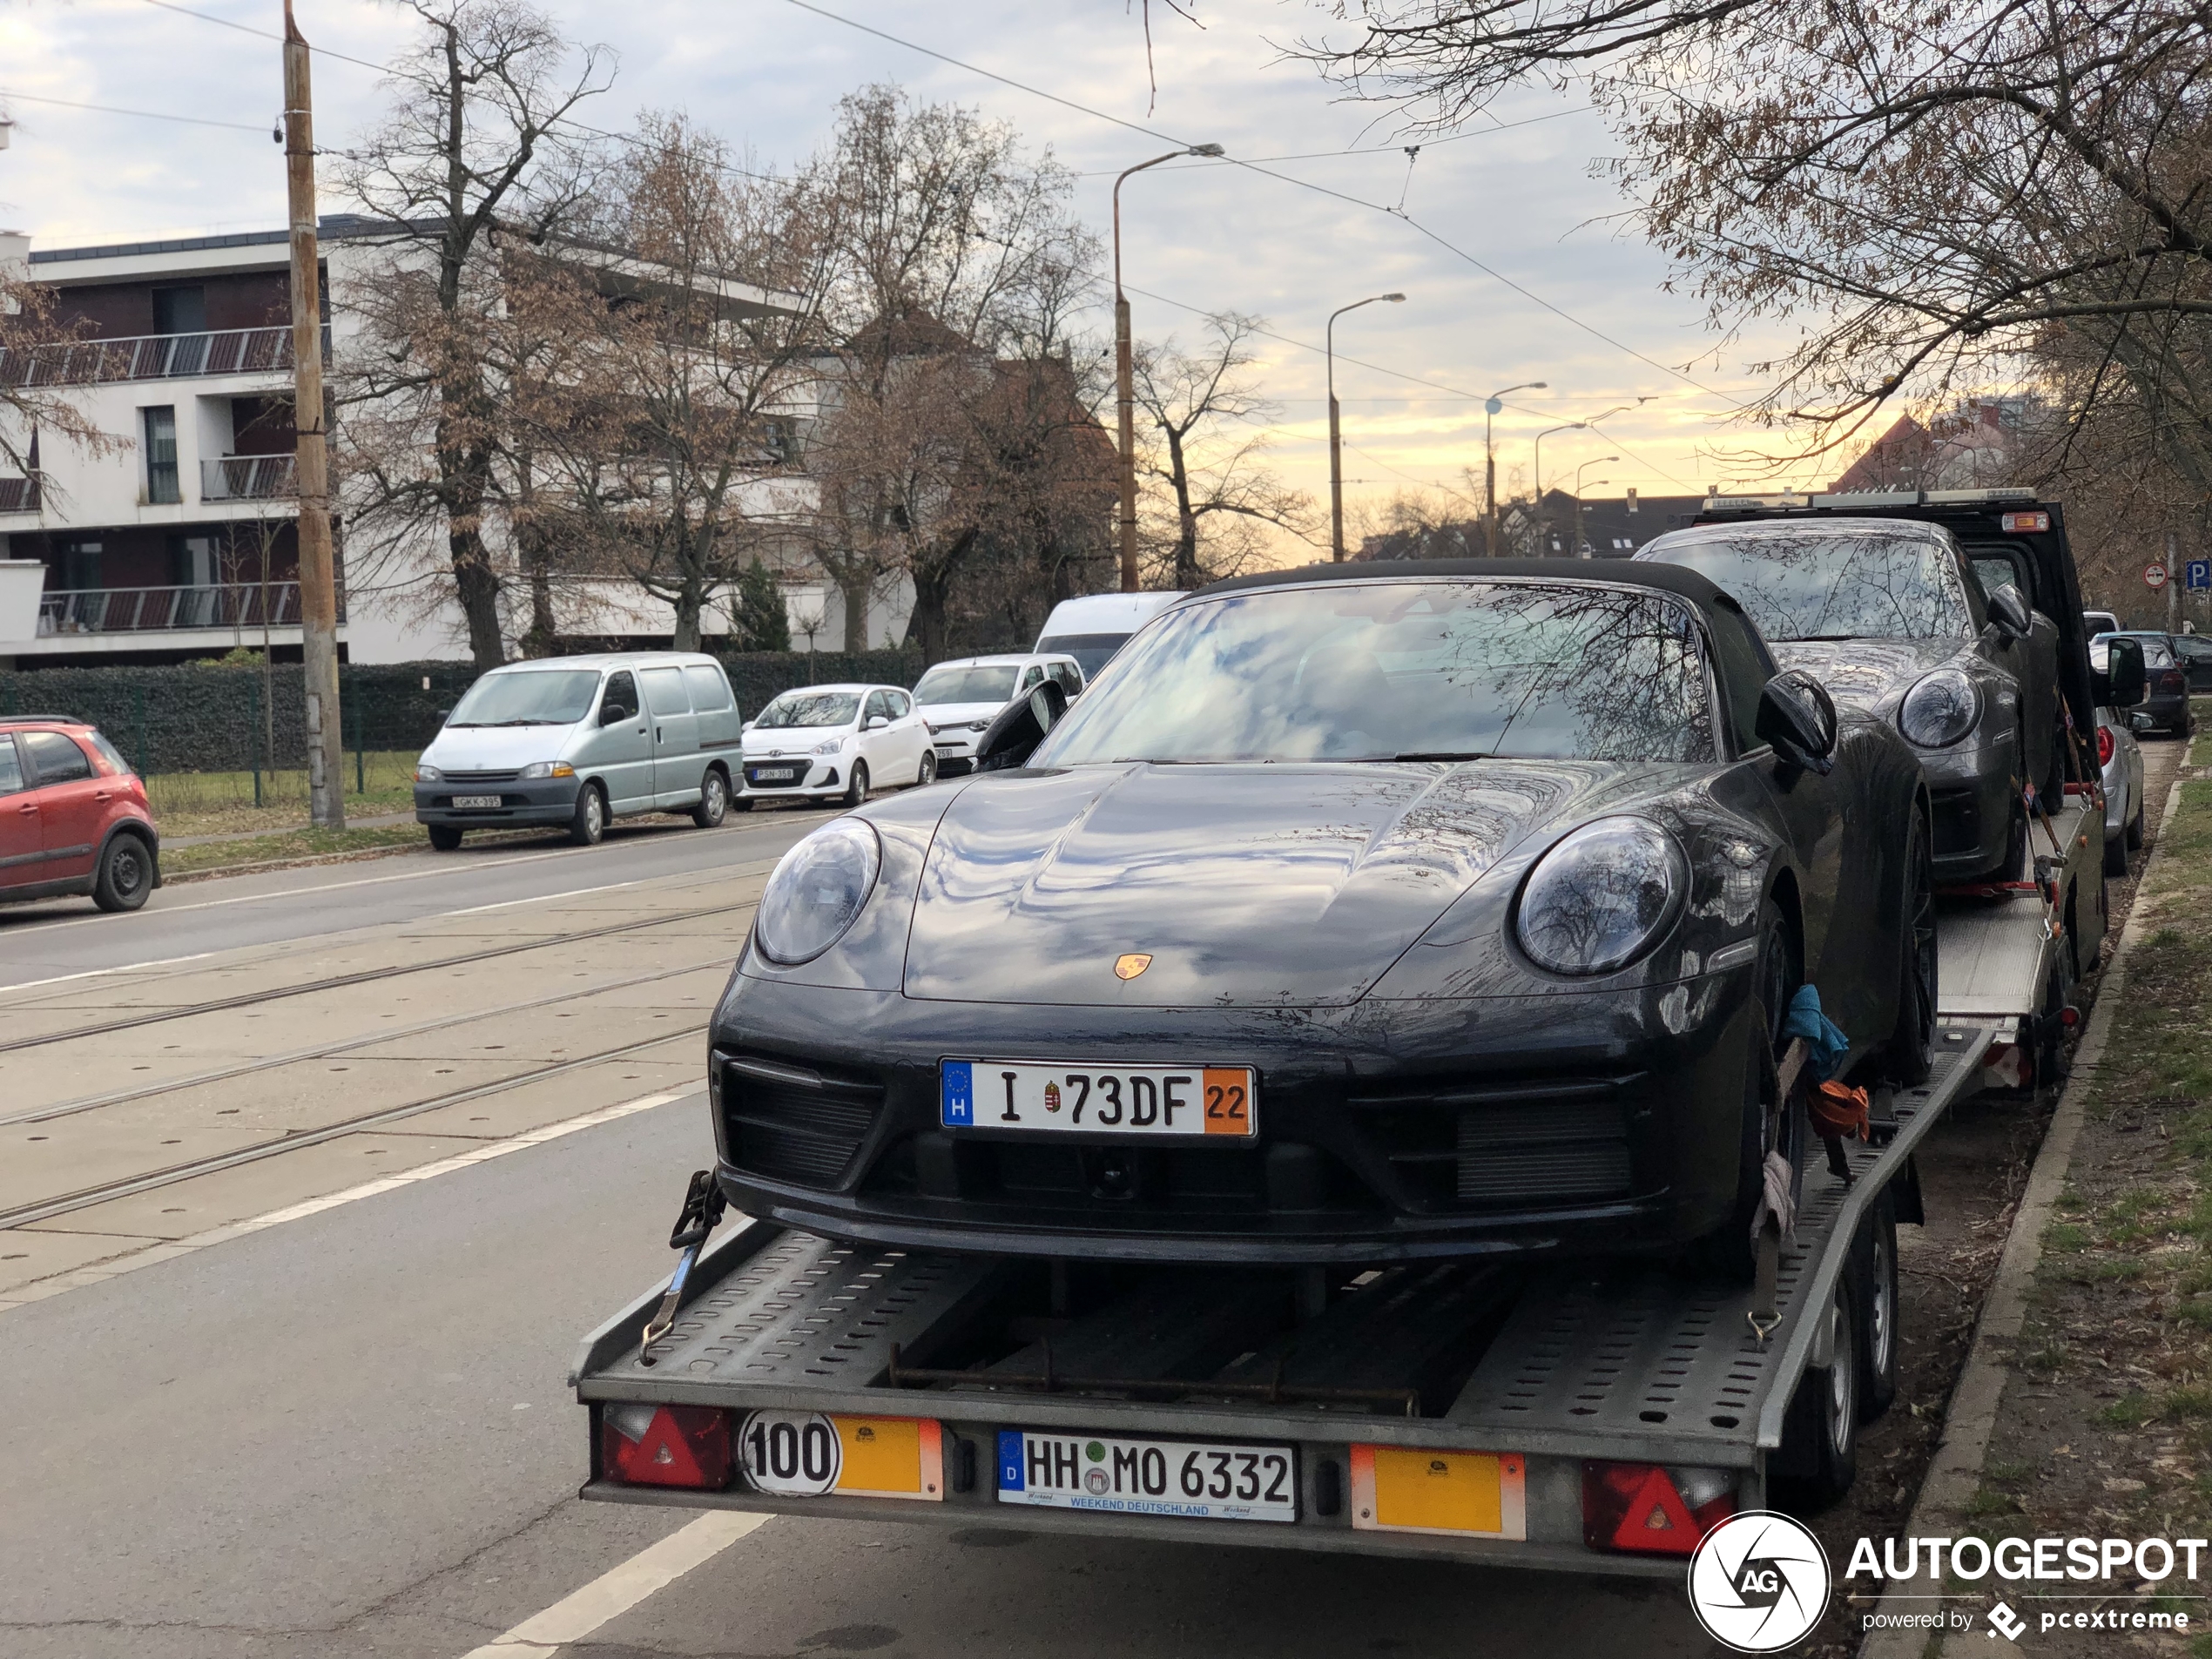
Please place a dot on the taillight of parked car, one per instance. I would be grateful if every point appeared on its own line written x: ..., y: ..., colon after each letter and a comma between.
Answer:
x: 1647, y: 1510
x: 2104, y: 746
x: 2173, y: 680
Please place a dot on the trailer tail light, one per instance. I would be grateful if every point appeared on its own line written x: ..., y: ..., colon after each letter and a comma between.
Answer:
x: 666, y: 1446
x: 2104, y: 746
x: 1645, y: 1509
x: 2021, y: 523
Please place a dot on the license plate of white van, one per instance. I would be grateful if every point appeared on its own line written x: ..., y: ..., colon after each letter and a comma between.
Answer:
x: 465, y: 801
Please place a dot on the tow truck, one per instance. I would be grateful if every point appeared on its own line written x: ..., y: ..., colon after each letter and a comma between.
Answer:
x: 1590, y: 1416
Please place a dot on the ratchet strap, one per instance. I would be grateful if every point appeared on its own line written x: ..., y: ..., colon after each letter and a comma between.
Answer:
x: 1777, y: 1214
x: 704, y: 1202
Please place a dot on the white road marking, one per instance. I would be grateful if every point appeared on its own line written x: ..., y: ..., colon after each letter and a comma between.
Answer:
x: 576, y: 1616
x: 168, y: 1249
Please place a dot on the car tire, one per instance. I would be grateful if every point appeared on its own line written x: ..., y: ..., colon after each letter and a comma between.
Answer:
x: 125, y: 876
x: 589, y: 825
x: 2135, y: 827
x: 1874, y: 1253
x: 856, y: 792
x: 2116, y: 853
x: 1726, y: 1253
x: 1910, y: 1053
x: 445, y: 838
x: 927, y: 771
x: 1819, y: 1457
x: 714, y: 800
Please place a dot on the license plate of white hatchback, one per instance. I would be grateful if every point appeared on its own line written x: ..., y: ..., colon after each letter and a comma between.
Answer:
x: 1020, y: 1096
x: 1195, y: 1479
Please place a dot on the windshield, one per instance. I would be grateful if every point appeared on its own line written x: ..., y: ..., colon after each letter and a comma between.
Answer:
x: 1091, y: 651
x: 955, y: 684
x: 1834, y: 587
x: 1405, y: 671
x: 530, y: 697
x: 810, y: 708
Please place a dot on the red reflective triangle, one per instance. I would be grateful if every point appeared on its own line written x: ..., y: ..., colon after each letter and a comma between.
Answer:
x: 1657, y: 1519
x: 663, y: 1457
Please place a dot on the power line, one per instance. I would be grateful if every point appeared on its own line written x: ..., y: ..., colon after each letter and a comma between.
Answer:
x: 1302, y: 183
x: 144, y: 114
x: 1325, y: 155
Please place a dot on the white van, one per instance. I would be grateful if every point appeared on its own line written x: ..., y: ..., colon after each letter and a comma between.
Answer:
x: 1091, y: 629
x: 580, y: 741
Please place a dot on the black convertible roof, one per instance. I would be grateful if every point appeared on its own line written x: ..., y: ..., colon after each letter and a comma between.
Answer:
x: 1675, y: 579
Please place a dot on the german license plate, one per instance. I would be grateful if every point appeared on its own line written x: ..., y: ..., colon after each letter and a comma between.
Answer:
x: 775, y: 774
x: 1025, y: 1097
x: 476, y: 800
x: 1197, y: 1479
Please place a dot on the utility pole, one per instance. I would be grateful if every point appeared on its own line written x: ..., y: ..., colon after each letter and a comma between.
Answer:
x: 2173, y: 588
x: 318, y: 581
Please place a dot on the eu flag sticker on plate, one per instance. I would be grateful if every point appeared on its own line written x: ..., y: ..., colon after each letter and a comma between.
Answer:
x: 958, y: 1091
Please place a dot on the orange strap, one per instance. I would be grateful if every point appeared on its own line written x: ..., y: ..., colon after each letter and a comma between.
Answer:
x: 1838, y: 1110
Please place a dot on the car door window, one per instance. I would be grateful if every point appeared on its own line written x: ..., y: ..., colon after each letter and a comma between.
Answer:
x: 1032, y: 678
x: 12, y: 778
x: 710, y: 692
x: 665, y: 690
x: 877, y: 708
x: 54, y: 758
x: 1070, y: 681
x: 620, y: 693
x: 901, y: 704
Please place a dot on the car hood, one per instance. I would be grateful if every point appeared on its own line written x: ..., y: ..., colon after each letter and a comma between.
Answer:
x: 1870, y: 674
x: 958, y: 713
x: 496, y: 748
x: 1293, y: 885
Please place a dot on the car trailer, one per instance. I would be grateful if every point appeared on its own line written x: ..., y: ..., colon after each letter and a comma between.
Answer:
x: 1592, y: 1416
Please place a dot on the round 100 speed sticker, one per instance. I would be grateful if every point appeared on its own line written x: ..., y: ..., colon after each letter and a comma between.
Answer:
x: 791, y: 1455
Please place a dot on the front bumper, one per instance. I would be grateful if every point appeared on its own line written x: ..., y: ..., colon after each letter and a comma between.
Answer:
x: 1970, y: 791
x: 2168, y: 711
x: 1590, y: 1122
x: 547, y: 800
x: 814, y: 777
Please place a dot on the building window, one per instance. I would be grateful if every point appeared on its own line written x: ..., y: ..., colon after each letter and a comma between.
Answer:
x: 161, y: 455
x: 81, y: 566
x: 181, y: 311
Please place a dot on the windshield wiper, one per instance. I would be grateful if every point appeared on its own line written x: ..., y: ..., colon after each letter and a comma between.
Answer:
x: 1800, y: 639
x: 1444, y: 754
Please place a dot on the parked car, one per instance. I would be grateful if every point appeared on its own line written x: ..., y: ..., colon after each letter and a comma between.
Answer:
x: 1890, y: 617
x: 2194, y: 653
x: 1358, y: 914
x: 581, y: 741
x: 2119, y: 757
x: 831, y: 742
x: 1092, y: 628
x: 2166, y: 703
x: 73, y: 816
x: 961, y: 697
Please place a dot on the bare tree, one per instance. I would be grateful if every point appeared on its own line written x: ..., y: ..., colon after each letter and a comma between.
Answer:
x: 35, y: 403
x: 1204, y: 466
x: 472, y: 152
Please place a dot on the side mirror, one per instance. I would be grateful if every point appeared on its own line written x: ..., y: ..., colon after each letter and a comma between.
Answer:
x: 1009, y: 740
x: 876, y: 722
x: 746, y: 727
x: 2124, y: 680
x: 2010, y: 612
x: 2139, y: 721
x: 1798, y: 718
x: 613, y: 714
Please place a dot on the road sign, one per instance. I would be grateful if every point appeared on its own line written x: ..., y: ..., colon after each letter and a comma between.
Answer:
x: 2154, y: 575
x: 2197, y: 574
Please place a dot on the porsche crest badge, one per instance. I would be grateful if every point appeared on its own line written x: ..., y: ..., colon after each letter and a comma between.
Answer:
x: 1131, y: 966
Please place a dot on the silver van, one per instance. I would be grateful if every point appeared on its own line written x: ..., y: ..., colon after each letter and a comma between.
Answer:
x: 579, y: 741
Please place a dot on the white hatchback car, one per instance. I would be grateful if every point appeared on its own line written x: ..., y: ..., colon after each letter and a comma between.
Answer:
x: 961, y: 697
x: 834, y: 742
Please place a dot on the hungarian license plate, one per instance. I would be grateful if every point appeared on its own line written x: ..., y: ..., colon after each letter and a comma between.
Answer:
x: 775, y: 774
x: 1026, y: 1097
x: 1197, y: 1478
x: 476, y: 800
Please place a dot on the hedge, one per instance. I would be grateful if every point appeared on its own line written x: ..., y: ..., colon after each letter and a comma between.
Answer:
x: 194, y: 719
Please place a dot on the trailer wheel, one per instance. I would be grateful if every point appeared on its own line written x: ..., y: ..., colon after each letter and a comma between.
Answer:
x: 1874, y: 1263
x: 1819, y: 1458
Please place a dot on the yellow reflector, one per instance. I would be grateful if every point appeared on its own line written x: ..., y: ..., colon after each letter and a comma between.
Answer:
x: 891, y: 1457
x: 1405, y: 1489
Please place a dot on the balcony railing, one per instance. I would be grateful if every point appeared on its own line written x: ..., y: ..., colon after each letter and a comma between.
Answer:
x: 248, y: 478
x: 19, y: 494
x: 138, y: 611
x: 153, y: 357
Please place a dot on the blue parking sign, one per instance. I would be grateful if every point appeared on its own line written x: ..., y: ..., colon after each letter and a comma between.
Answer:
x: 2198, y: 574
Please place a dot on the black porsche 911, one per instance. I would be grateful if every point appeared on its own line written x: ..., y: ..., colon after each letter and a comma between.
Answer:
x: 1356, y: 914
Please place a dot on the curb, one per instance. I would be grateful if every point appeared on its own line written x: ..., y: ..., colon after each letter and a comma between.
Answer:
x: 1954, y: 1472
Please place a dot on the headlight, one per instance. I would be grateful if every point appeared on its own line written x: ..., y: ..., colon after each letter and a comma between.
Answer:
x: 542, y: 769
x: 979, y: 726
x: 427, y: 774
x: 829, y: 746
x: 817, y: 891
x: 1939, y: 710
x: 1602, y: 897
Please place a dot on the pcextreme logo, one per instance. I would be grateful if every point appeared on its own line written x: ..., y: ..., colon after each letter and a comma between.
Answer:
x: 1758, y: 1582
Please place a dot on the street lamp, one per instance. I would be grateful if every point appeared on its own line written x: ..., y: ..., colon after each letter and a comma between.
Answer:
x: 1543, y: 521
x: 1579, y: 471
x: 1336, y: 445
x: 1491, y: 405
x: 1125, y: 390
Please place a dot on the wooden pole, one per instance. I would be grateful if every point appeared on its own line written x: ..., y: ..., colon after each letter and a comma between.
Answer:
x: 318, y: 581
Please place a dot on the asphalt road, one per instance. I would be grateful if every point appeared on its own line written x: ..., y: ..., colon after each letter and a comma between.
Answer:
x: 63, y: 936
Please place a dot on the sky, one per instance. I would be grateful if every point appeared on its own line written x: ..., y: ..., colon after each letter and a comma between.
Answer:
x: 1509, y: 243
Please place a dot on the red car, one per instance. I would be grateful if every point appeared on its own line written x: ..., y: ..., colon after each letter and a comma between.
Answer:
x: 73, y: 816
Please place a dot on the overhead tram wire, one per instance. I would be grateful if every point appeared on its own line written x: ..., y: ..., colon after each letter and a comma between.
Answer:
x: 1154, y: 133
x: 261, y: 129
